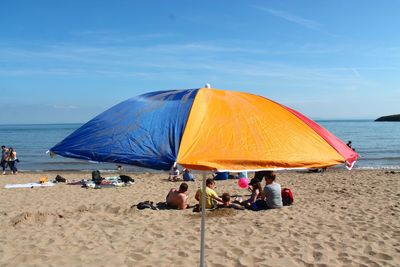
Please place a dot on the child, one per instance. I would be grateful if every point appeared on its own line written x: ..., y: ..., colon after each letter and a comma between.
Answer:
x: 212, y: 199
x: 187, y: 176
x: 256, y: 190
x: 226, y: 202
x: 174, y: 174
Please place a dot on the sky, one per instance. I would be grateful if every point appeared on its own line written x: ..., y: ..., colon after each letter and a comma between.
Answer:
x: 67, y: 61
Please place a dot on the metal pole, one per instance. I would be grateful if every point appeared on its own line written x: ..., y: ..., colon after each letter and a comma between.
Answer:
x: 203, y: 221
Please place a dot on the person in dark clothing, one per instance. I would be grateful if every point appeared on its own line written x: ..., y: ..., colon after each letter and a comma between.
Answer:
x: 4, y: 157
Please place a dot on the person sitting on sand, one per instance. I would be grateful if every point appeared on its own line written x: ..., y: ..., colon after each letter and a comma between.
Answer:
x: 226, y: 202
x: 212, y: 199
x: 187, y: 175
x: 174, y: 174
x: 242, y: 175
x: 317, y: 169
x: 256, y: 191
x: 178, y: 199
x: 271, y: 197
x: 221, y: 176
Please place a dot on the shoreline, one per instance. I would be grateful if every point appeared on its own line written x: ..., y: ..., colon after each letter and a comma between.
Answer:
x: 128, y: 170
x: 339, y: 218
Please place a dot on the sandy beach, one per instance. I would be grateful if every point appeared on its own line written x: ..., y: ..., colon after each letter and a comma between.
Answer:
x: 339, y: 218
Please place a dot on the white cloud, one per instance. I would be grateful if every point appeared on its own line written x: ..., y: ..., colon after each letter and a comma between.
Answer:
x: 306, y: 23
x: 113, y: 37
x: 292, y: 18
x: 65, y: 107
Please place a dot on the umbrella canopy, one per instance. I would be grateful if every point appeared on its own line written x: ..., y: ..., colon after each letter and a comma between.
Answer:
x: 205, y: 129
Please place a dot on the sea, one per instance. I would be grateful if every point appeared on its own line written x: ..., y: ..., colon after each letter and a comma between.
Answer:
x: 378, y: 144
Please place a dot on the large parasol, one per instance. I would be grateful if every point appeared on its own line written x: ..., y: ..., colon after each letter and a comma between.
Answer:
x: 206, y: 129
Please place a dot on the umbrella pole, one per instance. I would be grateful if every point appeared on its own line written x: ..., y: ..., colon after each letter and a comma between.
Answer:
x: 203, y: 221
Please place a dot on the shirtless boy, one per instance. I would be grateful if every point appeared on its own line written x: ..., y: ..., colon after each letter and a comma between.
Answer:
x: 177, y: 199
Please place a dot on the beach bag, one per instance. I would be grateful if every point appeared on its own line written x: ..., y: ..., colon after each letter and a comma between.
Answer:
x: 96, y: 177
x: 287, y: 197
x: 60, y: 179
x: 145, y: 205
x: 126, y: 179
x: 43, y: 180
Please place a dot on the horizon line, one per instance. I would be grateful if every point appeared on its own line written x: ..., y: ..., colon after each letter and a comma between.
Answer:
x: 55, y: 123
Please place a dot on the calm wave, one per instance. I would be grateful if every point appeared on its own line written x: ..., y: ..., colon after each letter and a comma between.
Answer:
x: 378, y: 144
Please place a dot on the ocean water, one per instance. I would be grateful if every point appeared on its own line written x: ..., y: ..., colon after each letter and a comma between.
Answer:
x: 378, y: 144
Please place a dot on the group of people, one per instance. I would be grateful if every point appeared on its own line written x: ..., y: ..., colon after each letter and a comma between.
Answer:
x: 268, y: 197
x: 9, y: 159
x: 174, y: 175
x: 227, y: 175
x: 187, y: 175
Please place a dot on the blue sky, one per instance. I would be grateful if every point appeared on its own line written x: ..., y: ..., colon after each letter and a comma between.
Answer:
x: 67, y: 61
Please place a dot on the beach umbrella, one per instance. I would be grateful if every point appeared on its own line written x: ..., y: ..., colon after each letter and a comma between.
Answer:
x: 206, y: 129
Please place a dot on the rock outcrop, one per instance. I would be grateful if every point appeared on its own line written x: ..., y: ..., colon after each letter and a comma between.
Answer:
x: 389, y: 118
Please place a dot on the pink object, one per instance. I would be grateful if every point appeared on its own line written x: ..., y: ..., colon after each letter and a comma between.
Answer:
x: 243, y: 182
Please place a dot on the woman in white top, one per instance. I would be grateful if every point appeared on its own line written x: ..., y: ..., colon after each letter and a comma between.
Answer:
x: 12, y: 160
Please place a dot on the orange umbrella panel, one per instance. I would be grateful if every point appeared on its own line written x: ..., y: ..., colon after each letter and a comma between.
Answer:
x: 229, y: 130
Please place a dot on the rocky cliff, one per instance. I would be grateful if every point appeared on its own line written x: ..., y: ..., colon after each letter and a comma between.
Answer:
x: 389, y: 118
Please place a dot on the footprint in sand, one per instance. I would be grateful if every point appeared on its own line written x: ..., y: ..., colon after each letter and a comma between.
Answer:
x: 136, y: 257
x: 317, y: 255
x: 183, y: 254
x: 316, y: 246
x: 246, y: 261
x: 383, y: 256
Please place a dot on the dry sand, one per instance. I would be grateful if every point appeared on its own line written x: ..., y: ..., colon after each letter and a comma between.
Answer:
x: 339, y: 218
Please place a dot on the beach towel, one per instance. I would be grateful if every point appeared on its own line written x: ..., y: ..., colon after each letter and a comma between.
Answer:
x: 105, y: 184
x: 29, y: 185
x: 114, y: 181
x: 75, y: 182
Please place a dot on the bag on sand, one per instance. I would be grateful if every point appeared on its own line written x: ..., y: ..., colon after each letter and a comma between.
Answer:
x: 43, y: 180
x: 96, y: 177
x: 126, y: 178
x: 146, y: 205
x: 287, y: 197
x: 60, y: 179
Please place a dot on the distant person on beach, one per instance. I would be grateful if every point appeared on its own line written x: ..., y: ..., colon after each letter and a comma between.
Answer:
x: 317, y: 169
x: 271, y: 197
x: 242, y: 175
x: 178, y: 199
x: 4, y: 157
x: 212, y: 198
x: 12, y: 160
x: 349, y: 144
x: 188, y: 176
x: 174, y: 174
x: 221, y: 176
